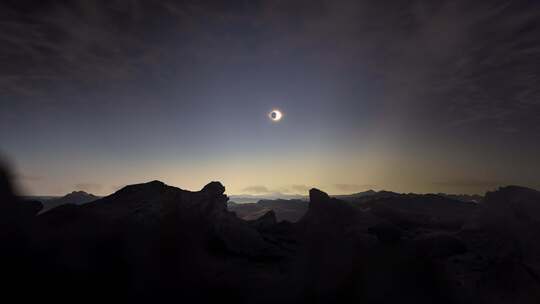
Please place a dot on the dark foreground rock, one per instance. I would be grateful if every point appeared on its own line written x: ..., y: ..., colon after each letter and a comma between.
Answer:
x: 156, y: 243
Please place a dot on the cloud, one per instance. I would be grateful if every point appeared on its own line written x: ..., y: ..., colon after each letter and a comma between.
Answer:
x: 300, y: 188
x: 352, y: 187
x: 88, y: 187
x: 264, y: 190
x: 459, y: 71
x: 257, y: 189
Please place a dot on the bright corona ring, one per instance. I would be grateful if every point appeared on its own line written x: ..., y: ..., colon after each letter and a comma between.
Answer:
x: 275, y: 115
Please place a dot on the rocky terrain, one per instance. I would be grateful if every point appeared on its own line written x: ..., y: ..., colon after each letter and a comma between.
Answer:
x: 152, y: 242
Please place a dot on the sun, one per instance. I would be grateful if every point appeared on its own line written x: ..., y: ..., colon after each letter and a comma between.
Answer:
x: 275, y: 115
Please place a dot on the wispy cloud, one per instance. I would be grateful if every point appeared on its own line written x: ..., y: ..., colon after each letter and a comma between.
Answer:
x: 300, y: 188
x: 261, y: 189
x: 257, y: 189
x: 352, y: 187
x: 425, y: 59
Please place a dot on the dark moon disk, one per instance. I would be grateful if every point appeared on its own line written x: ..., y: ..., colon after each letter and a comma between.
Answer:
x: 275, y: 115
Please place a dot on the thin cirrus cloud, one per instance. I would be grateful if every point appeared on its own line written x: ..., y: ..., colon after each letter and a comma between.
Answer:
x: 425, y: 65
x: 256, y: 189
x: 300, y: 188
x: 261, y: 189
x: 352, y: 187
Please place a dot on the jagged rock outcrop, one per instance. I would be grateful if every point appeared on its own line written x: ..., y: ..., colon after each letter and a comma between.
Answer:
x: 511, y: 217
x: 333, y: 236
x: 509, y: 204
x: 412, y: 211
x: 166, y: 236
x: 333, y: 215
x: 154, y: 204
x: 214, y: 189
x: 325, y: 210
x: 503, y: 260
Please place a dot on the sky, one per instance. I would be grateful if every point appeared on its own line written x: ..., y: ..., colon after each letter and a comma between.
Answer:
x: 409, y: 96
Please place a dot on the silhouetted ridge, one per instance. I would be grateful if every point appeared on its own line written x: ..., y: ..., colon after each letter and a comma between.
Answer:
x: 414, y: 211
x: 511, y: 206
x: 366, y: 196
x: 156, y: 199
x: 513, y: 197
x: 75, y: 197
x: 153, y: 186
x: 214, y: 189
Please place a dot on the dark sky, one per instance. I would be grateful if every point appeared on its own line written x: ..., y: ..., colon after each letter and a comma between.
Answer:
x: 420, y: 96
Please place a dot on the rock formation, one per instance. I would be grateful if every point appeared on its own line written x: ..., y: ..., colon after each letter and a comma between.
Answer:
x: 152, y: 242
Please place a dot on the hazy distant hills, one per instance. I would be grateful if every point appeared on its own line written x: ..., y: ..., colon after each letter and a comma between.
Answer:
x: 366, y: 196
x: 293, y: 209
x: 251, y: 199
x: 371, y: 195
x: 474, y: 198
x: 75, y: 197
x: 152, y: 242
x: 285, y: 210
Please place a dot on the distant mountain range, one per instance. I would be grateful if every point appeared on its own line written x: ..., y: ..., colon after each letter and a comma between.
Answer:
x: 285, y: 209
x: 75, y: 197
x: 293, y: 209
x: 251, y: 199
